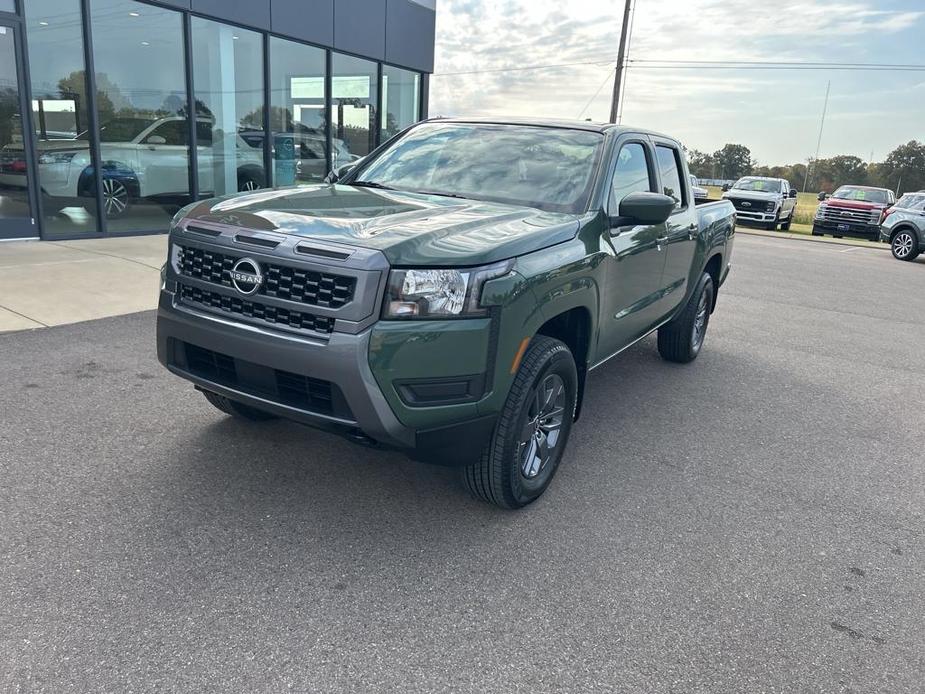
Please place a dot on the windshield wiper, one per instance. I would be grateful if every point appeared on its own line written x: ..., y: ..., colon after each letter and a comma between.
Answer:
x: 370, y: 184
x: 435, y: 192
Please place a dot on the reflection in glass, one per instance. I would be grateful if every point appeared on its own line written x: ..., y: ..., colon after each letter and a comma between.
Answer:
x: 14, y: 188
x: 228, y: 79
x: 59, y: 115
x: 401, y: 90
x: 141, y: 98
x: 353, y: 104
x: 297, y: 118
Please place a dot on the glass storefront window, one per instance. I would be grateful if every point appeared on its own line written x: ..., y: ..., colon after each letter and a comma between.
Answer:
x: 7, y: 5
x: 401, y: 94
x: 297, y: 117
x: 354, y: 97
x: 228, y: 83
x: 60, y: 116
x: 141, y: 98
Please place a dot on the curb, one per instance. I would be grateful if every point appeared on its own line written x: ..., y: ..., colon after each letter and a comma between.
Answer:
x: 814, y: 239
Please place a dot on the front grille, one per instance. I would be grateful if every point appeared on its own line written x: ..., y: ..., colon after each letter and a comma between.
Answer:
x: 281, y: 281
x: 752, y: 205
x: 261, y: 312
x: 295, y: 390
x: 848, y: 215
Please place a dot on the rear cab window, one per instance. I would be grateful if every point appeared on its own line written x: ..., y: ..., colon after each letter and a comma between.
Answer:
x: 669, y: 167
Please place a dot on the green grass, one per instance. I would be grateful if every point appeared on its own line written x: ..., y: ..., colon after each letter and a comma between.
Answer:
x: 806, y: 210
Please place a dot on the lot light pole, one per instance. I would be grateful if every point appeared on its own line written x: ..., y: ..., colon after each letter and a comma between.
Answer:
x: 621, y: 65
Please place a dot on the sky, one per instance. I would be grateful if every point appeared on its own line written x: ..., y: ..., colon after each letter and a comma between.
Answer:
x: 775, y: 113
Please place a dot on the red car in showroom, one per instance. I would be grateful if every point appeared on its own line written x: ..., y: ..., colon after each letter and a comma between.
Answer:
x: 853, y: 211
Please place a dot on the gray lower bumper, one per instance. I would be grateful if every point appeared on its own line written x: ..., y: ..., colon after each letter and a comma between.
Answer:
x: 342, y: 360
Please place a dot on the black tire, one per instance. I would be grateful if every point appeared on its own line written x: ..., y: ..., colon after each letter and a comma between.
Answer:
x: 237, y: 409
x: 786, y: 225
x: 904, y: 245
x: 677, y: 341
x: 511, y: 472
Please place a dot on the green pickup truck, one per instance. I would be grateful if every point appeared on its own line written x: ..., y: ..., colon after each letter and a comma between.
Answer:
x: 449, y: 295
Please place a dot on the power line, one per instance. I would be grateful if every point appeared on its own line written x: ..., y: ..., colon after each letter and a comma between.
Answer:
x: 606, y: 80
x: 522, y: 68
x: 770, y: 65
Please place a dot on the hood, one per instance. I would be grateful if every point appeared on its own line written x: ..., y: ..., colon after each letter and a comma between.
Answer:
x: 751, y: 195
x: 855, y: 204
x: 409, y: 228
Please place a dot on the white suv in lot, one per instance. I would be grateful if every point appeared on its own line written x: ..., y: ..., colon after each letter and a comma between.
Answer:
x: 144, y: 158
x: 764, y: 201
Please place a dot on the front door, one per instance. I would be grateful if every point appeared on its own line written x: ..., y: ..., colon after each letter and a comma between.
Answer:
x: 17, y: 217
x: 633, y: 298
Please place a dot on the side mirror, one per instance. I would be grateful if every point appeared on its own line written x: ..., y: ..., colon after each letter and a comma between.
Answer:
x: 644, y: 208
x: 822, y: 196
x: 156, y: 140
x: 793, y: 192
x: 341, y: 171
x: 725, y: 187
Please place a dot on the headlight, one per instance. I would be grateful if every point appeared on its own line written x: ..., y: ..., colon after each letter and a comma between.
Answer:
x: 771, y: 206
x: 56, y: 157
x: 439, y: 293
x: 820, y: 210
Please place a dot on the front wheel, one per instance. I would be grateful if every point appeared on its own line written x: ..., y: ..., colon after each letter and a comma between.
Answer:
x: 526, y: 448
x: 786, y: 225
x: 681, y: 340
x: 117, y: 199
x: 905, y: 246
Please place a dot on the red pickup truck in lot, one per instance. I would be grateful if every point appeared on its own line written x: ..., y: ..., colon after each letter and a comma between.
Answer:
x: 853, y: 211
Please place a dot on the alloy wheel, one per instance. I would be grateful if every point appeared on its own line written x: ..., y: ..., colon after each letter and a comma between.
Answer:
x: 540, y: 436
x: 903, y: 244
x: 249, y: 185
x: 700, y: 323
x: 115, y: 197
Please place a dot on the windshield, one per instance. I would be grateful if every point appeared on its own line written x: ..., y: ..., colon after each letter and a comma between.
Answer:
x: 120, y: 129
x: 760, y: 185
x: 861, y: 195
x: 547, y: 168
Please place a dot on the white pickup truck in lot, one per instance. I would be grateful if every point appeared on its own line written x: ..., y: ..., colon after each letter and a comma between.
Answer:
x: 767, y: 202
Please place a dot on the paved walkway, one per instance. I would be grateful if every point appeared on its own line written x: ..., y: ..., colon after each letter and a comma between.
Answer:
x: 46, y: 283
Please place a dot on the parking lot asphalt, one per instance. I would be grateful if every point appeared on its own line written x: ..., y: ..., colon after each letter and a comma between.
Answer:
x: 751, y: 522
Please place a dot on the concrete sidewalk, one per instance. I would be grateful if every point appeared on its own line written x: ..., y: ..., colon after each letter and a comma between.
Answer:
x: 46, y: 283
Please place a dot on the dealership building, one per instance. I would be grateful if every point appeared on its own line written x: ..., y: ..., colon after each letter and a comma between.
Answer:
x: 116, y: 113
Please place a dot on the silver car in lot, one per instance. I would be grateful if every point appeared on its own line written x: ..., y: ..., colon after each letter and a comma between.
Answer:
x: 904, y: 226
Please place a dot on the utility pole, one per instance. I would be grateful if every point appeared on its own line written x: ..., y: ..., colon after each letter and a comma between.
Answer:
x: 621, y: 65
x: 825, y: 108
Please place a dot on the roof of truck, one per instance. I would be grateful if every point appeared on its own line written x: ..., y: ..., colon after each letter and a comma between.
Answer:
x: 572, y: 124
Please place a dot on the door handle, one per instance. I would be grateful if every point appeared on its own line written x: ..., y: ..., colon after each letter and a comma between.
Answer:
x: 659, y: 241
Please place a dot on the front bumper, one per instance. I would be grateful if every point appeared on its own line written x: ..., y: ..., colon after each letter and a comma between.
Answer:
x: 821, y: 226
x: 258, y: 367
x: 760, y: 217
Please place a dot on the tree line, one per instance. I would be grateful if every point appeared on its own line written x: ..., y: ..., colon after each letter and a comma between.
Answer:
x: 903, y: 170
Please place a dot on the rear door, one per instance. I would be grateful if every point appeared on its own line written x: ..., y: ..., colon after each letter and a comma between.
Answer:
x: 682, y: 229
x: 631, y: 300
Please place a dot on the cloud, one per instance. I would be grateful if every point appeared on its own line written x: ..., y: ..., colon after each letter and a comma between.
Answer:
x: 494, y: 40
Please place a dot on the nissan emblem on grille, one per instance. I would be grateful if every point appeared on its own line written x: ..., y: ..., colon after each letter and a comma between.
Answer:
x: 246, y: 276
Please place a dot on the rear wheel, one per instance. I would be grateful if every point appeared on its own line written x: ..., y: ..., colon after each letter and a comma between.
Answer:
x: 905, y: 246
x: 237, y: 409
x: 248, y: 182
x: 681, y: 340
x: 526, y: 448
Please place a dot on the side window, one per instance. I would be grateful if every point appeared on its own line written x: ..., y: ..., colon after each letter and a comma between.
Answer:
x: 203, y: 133
x: 630, y: 175
x: 670, y: 168
x: 174, y: 132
